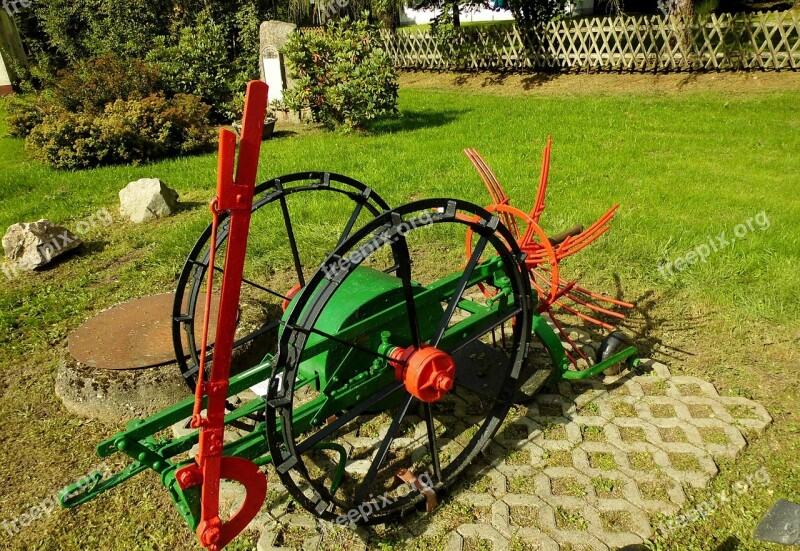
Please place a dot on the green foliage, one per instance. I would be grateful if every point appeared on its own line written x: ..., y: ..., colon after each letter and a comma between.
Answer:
x: 108, y: 110
x: 25, y: 111
x: 126, y: 131
x: 197, y: 63
x: 532, y: 13
x: 203, y: 48
x: 214, y: 58
x: 342, y: 75
x: 452, y: 43
x: 90, y: 85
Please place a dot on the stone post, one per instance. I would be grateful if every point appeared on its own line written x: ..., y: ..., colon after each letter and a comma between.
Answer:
x: 273, y: 36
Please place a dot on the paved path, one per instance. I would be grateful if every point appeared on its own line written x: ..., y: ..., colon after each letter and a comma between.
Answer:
x: 591, y: 467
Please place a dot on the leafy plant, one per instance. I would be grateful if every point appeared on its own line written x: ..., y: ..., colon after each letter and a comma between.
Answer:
x: 90, y: 85
x: 127, y: 131
x: 86, y: 87
x: 342, y: 76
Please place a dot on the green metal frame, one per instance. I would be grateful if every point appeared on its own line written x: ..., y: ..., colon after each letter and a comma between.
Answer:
x: 340, y: 388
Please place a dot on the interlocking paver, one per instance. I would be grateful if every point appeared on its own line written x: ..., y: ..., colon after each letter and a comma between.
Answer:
x: 585, y: 466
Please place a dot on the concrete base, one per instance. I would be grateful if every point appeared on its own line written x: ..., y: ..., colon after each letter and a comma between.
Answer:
x: 118, y: 396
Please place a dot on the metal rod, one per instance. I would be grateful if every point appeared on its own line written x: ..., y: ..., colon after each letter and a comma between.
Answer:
x: 383, y: 450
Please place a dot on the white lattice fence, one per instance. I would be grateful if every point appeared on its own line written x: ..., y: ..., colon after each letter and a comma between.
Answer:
x: 769, y: 41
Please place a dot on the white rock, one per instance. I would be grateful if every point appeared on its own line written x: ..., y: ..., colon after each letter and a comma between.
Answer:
x: 32, y: 245
x: 147, y: 199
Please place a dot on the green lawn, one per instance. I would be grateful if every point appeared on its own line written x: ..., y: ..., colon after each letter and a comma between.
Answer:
x: 684, y: 167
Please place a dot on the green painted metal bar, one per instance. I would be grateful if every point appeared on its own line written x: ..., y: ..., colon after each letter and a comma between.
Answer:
x: 602, y: 366
x: 140, y: 429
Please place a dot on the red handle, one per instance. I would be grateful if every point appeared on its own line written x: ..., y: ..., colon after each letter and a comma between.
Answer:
x: 235, y: 196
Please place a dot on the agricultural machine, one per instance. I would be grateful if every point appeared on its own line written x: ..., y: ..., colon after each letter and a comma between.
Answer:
x: 381, y: 370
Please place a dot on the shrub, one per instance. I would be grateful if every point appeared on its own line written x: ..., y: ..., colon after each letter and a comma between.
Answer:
x: 205, y: 48
x: 25, y: 111
x: 90, y: 85
x: 86, y: 87
x: 341, y: 75
x: 126, y: 131
x: 207, y: 60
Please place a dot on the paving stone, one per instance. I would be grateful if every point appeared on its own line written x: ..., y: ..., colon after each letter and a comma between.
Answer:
x: 587, y: 467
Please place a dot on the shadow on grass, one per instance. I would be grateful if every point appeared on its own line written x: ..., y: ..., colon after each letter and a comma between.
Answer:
x: 86, y: 248
x: 645, y: 329
x: 730, y: 544
x: 281, y: 134
x: 411, y: 119
x: 184, y: 206
x: 529, y: 82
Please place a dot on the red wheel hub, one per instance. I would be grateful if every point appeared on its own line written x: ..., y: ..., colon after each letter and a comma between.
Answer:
x: 427, y: 372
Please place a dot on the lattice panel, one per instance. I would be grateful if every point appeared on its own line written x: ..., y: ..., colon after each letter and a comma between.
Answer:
x: 763, y: 41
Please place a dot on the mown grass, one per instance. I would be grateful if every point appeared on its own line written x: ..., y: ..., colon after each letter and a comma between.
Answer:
x: 683, y: 166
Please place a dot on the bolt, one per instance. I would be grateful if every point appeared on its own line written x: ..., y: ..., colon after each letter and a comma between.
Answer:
x: 211, y: 536
x: 444, y: 382
x: 186, y: 478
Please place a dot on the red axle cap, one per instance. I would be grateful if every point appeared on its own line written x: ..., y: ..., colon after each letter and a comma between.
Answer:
x: 428, y: 373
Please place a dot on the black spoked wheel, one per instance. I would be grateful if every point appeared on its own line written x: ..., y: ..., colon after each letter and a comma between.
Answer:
x: 388, y: 381
x: 276, y: 265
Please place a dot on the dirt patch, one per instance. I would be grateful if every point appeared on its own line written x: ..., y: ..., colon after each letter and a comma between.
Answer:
x: 602, y: 83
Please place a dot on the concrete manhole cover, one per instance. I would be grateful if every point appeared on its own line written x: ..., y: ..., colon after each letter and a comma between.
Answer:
x: 134, y: 334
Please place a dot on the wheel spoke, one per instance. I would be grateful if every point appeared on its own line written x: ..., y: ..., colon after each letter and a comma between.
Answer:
x: 404, y: 271
x: 432, y: 446
x: 460, y: 288
x: 290, y: 232
x: 340, y: 341
x: 350, y: 223
x: 236, y: 344
x: 483, y: 329
x: 351, y: 414
x: 369, y: 479
x: 256, y: 285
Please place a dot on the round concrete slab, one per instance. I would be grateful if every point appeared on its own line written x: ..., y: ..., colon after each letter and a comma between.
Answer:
x: 133, y: 335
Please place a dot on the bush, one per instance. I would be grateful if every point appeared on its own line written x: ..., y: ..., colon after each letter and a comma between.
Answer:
x: 86, y: 87
x: 341, y: 75
x: 108, y: 110
x: 127, y: 131
x: 197, y: 63
x: 90, y: 85
x: 25, y: 111
x: 209, y: 49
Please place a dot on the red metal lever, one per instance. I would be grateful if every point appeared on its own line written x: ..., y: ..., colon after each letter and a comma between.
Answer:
x: 235, y: 196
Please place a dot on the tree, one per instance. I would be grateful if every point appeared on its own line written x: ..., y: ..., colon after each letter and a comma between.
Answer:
x: 451, y: 9
x: 532, y: 13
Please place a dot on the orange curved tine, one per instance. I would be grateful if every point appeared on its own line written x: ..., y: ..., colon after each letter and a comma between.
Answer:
x: 589, y: 233
x: 565, y: 292
x: 588, y: 240
x: 583, y: 316
x: 492, y: 184
x: 598, y: 296
x: 596, y: 308
x: 569, y: 247
x: 544, y: 176
x: 490, y: 181
x: 561, y: 292
x: 569, y: 341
